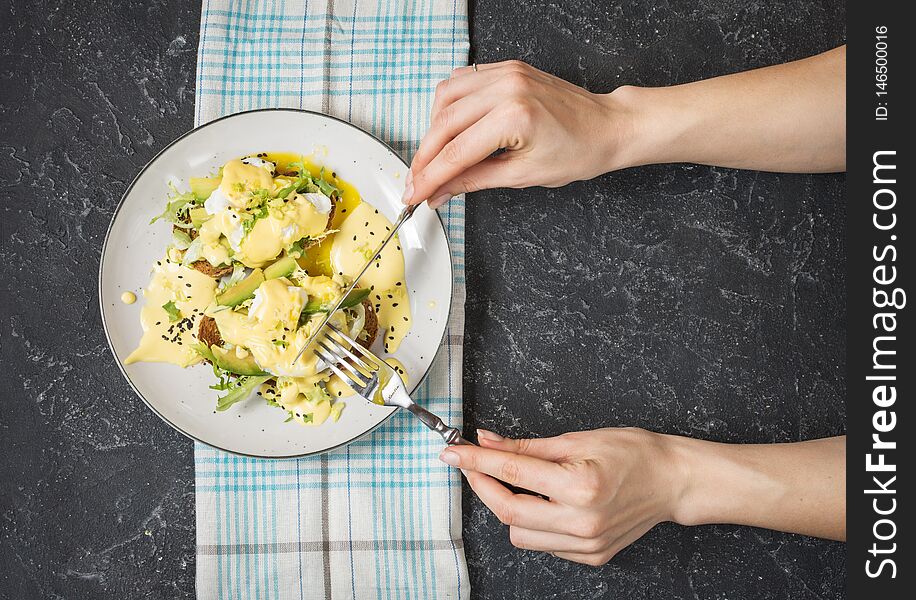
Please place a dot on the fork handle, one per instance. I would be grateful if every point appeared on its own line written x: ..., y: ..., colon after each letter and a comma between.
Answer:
x: 451, y: 435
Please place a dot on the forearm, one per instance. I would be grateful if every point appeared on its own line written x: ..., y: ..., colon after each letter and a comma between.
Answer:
x: 797, y: 487
x: 789, y: 118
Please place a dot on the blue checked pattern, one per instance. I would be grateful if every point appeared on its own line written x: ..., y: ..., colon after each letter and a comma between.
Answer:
x: 381, y: 518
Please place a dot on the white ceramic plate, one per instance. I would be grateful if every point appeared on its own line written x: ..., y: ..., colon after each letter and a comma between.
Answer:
x: 181, y: 396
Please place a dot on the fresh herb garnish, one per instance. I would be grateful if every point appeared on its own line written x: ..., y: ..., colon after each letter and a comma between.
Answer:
x: 248, y: 224
x: 193, y: 252
x: 177, y: 207
x: 172, y: 310
x: 302, y: 182
x: 297, y: 248
x: 328, y: 189
x: 180, y: 239
x: 260, y: 196
x: 240, y: 389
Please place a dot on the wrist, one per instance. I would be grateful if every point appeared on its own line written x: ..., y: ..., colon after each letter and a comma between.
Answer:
x: 720, y: 483
x: 654, y: 125
x: 679, y: 467
x: 632, y: 136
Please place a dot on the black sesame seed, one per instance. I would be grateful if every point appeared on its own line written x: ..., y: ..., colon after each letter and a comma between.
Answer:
x: 398, y: 284
x: 395, y: 304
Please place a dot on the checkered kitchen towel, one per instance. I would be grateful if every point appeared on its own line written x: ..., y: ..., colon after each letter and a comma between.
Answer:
x: 381, y: 518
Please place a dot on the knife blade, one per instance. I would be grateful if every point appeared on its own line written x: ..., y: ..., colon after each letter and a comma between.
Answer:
x: 402, y: 218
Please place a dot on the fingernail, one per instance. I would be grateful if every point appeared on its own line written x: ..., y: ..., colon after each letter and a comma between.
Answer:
x: 439, y: 200
x: 449, y: 458
x: 408, y: 192
x: 489, y: 435
x: 409, y: 179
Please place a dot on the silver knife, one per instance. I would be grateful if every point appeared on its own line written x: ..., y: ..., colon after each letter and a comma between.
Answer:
x: 402, y: 218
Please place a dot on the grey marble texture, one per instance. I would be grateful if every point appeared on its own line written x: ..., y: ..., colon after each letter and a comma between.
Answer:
x: 694, y: 300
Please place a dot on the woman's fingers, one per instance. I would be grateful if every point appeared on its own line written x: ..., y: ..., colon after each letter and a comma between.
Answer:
x: 467, y: 69
x: 466, y: 150
x: 594, y: 560
x: 464, y: 80
x: 557, y: 449
x: 547, y: 541
x: 447, y: 123
x: 496, y: 171
x: 519, y: 510
x: 535, y: 474
x: 608, y: 549
x: 450, y: 90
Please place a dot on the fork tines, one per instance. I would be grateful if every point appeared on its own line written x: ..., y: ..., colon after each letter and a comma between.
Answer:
x: 354, y: 371
x: 353, y: 344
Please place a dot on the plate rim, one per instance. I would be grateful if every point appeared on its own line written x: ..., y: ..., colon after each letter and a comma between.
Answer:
x: 117, y: 211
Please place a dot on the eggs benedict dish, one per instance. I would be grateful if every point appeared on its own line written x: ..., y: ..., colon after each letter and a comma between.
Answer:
x: 260, y: 252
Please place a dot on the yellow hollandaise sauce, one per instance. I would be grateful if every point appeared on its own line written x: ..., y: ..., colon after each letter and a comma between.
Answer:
x: 176, y: 299
x: 355, y: 243
x: 317, y: 259
x: 268, y: 331
x: 251, y: 214
x: 304, y: 402
x: 238, y: 225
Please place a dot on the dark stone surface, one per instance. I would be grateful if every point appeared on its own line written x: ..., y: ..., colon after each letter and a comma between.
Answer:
x: 707, y: 302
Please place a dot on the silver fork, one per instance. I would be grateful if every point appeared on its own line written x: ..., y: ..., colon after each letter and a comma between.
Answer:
x: 371, y: 377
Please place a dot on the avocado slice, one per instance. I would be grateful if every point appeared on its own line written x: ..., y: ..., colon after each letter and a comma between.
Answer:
x: 283, y: 267
x: 202, y: 187
x: 227, y: 360
x: 198, y: 216
x: 241, y: 291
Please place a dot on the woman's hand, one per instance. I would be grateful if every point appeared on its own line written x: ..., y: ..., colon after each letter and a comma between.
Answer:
x: 606, y: 488
x: 552, y: 131
x: 789, y: 117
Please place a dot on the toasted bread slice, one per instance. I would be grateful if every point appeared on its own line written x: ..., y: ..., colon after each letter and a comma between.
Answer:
x: 208, y: 332
x: 207, y: 269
